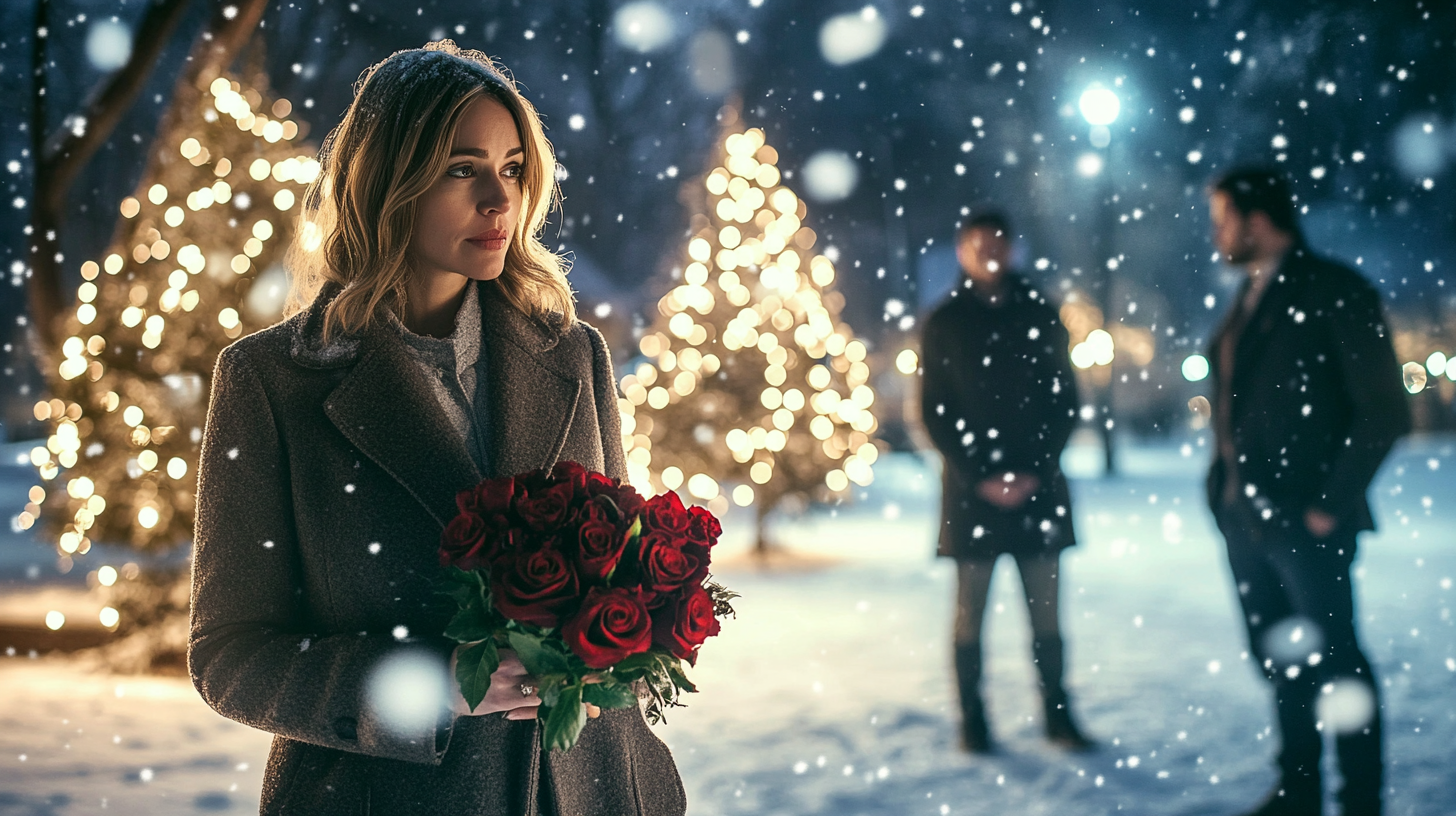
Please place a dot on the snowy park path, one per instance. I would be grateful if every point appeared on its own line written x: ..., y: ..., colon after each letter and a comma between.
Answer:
x: 831, y: 692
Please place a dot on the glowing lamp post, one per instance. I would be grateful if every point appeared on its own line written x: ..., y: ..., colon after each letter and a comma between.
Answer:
x: 1100, y: 107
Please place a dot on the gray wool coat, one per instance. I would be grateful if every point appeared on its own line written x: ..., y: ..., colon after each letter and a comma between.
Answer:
x: 328, y: 472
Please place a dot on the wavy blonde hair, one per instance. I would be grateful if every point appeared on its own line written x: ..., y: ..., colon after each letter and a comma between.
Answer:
x: 392, y: 144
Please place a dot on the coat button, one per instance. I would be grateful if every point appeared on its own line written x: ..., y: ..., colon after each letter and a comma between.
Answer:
x: 346, y: 728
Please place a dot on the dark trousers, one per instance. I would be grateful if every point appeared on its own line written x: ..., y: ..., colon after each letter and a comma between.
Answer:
x: 1285, y: 574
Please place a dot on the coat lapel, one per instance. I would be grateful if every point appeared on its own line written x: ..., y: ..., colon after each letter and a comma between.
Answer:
x: 532, y: 404
x: 384, y: 407
x: 1273, y: 306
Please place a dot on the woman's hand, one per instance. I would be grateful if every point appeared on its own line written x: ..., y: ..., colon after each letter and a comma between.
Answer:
x: 512, y: 690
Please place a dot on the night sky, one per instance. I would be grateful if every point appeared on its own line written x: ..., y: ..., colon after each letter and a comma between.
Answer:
x: 943, y: 108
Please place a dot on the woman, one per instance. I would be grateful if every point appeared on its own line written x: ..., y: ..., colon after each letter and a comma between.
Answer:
x: 439, y: 345
x: 999, y: 400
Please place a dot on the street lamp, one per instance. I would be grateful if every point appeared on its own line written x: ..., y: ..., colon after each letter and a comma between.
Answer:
x: 1100, y: 107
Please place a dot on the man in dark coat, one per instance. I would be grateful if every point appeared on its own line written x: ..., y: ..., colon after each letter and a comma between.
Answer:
x: 999, y: 400
x: 1307, y: 400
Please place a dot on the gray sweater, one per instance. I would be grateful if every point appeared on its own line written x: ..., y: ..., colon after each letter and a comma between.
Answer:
x: 451, y: 366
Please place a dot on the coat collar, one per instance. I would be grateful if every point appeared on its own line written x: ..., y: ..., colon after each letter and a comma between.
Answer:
x: 1017, y: 291
x: 384, y: 406
x: 308, y: 349
x: 1278, y: 298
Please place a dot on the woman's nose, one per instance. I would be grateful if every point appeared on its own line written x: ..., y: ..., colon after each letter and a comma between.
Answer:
x: 493, y: 197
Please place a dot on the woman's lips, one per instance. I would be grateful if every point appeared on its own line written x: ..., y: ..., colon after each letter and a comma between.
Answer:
x: 494, y: 240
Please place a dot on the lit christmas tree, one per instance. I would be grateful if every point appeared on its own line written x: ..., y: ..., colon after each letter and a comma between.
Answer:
x: 197, y: 264
x: 751, y: 379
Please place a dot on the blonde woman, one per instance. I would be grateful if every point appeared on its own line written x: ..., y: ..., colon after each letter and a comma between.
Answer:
x: 434, y: 343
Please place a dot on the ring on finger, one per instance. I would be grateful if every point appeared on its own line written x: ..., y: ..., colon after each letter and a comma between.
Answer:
x: 527, y: 689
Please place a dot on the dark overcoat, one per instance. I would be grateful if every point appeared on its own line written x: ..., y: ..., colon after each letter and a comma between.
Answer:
x: 997, y: 395
x: 328, y: 472
x: 1316, y: 396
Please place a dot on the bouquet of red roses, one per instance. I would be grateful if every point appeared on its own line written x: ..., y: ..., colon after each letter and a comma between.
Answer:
x: 601, y: 593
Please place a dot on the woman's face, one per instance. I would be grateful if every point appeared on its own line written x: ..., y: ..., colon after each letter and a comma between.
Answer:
x: 467, y: 218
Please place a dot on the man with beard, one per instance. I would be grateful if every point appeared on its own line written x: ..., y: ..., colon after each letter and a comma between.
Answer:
x: 999, y: 400
x: 1307, y: 400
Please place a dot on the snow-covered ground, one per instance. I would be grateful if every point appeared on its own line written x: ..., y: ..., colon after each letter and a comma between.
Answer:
x: 831, y: 692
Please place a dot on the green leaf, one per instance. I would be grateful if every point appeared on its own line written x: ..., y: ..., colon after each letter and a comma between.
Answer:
x: 469, y: 624
x: 674, y: 670
x: 460, y: 576
x: 536, y: 656
x: 461, y: 593
x: 565, y: 720
x: 609, y: 694
x: 635, y: 664
x: 607, y: 500
x: 474, y: 665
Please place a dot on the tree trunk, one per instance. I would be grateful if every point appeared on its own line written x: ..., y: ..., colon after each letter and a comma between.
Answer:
x: 762, y: 547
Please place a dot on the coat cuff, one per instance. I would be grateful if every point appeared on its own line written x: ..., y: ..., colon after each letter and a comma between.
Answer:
x: 371, y: 734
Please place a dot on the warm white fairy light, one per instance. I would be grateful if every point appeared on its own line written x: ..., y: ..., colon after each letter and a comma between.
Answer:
x: 751, y: 285
x: 162, y: 283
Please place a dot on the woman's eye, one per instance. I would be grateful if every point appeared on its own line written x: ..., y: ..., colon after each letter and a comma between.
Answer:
x: 513, y: 171
x: 460, y: 171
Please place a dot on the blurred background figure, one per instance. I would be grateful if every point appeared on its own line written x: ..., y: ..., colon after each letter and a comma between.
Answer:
x: 1307, y: 402
x: 999, y: 400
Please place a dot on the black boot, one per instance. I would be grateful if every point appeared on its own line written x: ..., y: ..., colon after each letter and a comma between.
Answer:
x: 975, y: 735
x: 1298, y: 796
x: 1060, y: 727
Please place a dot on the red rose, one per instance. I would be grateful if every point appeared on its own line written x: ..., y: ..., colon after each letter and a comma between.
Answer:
x: 546, y: 510
x: 535, y: 587
x: 681, y: 625
x: 490, y: 497
x: 666, y: 566
x: 605, y: 490
x: 595, y: 482
x: 599, y: 548
x: 573, y: 474
x: 569, y: 471
x: 611, y: 624
x: 591, y: 512
x: 629, y: 501
x: 665, y: 512
x: 533, y: 482
x: 465, y: 542
x: 704, y: 526
x: 505, y: 541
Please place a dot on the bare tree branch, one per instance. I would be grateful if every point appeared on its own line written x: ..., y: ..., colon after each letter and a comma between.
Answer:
x: 60, y: 158
x: 68, y: 149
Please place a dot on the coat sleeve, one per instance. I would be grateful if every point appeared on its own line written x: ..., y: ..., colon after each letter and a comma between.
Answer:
x: 1062, y: 395
x: 609, y: 415
x: 1372, y: 383
x: 940, y: 403
x: 250, y: 652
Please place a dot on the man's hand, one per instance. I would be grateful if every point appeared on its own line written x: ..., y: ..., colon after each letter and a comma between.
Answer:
x: 1319, y: 523
x: 1009, y: 490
